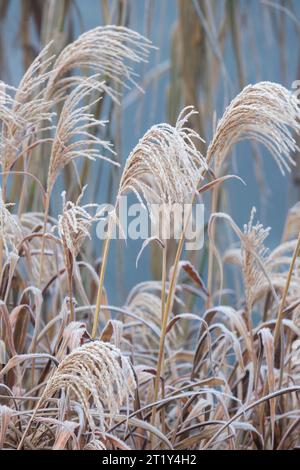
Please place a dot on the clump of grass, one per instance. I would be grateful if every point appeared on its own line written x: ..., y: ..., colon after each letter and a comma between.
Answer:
x: 95, y: 373
x: 163, y: 370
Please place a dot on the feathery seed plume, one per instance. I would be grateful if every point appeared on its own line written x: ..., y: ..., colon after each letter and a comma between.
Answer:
x: 104, y: 51
x: 74, y: 137
x: 96, y: 371
x: 265, y: 112
x: 74, y: 223
x: 10, y: 229
x: 165, y: 166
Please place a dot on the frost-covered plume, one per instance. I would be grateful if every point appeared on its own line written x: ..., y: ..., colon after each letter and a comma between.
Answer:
x: 25, y: 114
x: 265, y: 112
x: 10, y: 229
x: 74, y: 223
x: 75, y: 135
x: 165, y: 167
x: 254, y: 257
x: 96, y: 373
x: 107, y: 51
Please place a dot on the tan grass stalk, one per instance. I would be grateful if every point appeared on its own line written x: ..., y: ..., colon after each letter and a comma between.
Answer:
x: 101, y: 282
x: 166, y: 311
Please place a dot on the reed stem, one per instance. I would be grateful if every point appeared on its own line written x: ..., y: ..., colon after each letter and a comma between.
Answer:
x: 285, y: 293
x: 214, y: 208
x: 47, y: 206
x: 163, y: 300
x: 101, y: 280
x: 166, y: 314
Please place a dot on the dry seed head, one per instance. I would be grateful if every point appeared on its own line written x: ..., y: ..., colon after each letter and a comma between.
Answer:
x: 10, y: 229
x: 95, y: 444
x: 74, y: 223
x: 96, y: 372
x: 103, y: 50
x: 277, y: 264
x: 75, y: 334
x: 255, y: 235
x: 254, y: 255
x: 147, y: 305
x: 11, y: 129
x: 75, y: 135
x: 31, y: 222
x: 27, y: 114
x: 165, y: 166
x: 6, y: 415
x: 265, y: 112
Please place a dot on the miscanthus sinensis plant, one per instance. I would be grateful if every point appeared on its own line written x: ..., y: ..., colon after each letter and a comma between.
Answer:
x: 186, y: 362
